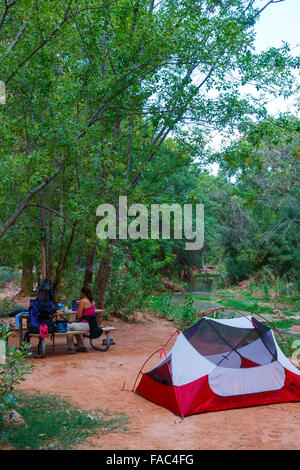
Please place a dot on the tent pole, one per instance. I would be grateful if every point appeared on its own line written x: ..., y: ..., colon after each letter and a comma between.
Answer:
x: 140, y: 371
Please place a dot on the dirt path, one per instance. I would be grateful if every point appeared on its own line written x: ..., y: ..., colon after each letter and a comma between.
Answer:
x: 95, y: 380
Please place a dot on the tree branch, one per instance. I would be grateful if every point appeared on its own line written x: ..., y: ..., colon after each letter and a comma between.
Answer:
x: 6, y: 9
x: 67, y: 15
x: 26, y: 200
x: 15, y: 41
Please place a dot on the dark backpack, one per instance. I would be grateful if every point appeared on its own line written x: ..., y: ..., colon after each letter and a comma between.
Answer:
x: 44, y: 291
x: 40, y: 312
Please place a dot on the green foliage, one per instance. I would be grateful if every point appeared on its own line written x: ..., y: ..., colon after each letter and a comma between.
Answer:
x: 7, y: 275
x: 71, y: 284
x: 134, y: 277
x: 188, y: 311
x: 6, y: 305
x: 285, y: 324
x: 202, y: 298
x: 264, y: 234
x: 285, y: 345
x: 291, y: 298
x: 54, y: 423
x: 161, y: 305
x: 245, y: 305
x: 12, y: 373
x: 104, y: 94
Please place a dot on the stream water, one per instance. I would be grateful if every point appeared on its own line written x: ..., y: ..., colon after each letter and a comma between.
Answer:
x: 206, y: 291
x: 198, y: 287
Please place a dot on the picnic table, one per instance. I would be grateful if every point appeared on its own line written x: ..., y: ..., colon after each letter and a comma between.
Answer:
x: 71, y: 313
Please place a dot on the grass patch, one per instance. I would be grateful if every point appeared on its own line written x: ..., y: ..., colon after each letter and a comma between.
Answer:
x: 288, y: 314
x: 206, y: 299
x: 54, y: 423
x: 290, y: 299
x: 285, y: 324
x: 253, y: 306
x: 285, y: 346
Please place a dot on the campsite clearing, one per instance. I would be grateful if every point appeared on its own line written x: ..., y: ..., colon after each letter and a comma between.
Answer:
x: 95, y: 380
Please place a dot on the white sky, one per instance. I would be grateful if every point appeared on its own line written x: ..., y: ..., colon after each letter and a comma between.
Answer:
x: 278, y: 23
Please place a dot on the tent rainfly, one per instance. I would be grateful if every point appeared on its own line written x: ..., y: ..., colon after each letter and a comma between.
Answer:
x: 219, y: 364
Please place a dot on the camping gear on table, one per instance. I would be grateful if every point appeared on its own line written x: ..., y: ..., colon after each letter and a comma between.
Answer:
x: 75, y: 304
x: 61, y: 326
x: 218, y: 364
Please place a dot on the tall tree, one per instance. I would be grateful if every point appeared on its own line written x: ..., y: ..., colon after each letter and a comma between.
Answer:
x: 94, y: 106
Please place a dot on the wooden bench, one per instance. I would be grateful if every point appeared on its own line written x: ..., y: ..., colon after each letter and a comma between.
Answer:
x: 107, y: 342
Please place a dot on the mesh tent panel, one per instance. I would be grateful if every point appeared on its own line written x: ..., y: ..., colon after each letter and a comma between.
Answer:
x: 214, y: 339
x: 161, y: 373
x: 209, y: 337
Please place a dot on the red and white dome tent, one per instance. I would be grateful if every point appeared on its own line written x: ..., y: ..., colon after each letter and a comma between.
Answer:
x: 218, y: 364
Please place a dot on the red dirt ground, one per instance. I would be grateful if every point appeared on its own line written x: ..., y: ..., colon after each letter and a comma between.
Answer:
x: 95, y: 380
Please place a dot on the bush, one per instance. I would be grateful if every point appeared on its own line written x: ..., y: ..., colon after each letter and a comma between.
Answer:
x: 7, y: 275
x: 7, y: 305
x: 161, y: 305
x: 285, y: 345
x: 188, y: 311
x: 12, y: 373
x: 133, y: 278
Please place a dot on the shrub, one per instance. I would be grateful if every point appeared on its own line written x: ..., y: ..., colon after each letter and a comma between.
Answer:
x: 285, y: 345
x: 133, y: 278
x: 161, y: 305
x: 178, y: 313
x: 12, y: 372
x: 8, y: 274
x: 6, y: 305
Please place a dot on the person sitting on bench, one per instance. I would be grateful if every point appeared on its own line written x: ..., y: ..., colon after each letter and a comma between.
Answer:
x: 86, y: 312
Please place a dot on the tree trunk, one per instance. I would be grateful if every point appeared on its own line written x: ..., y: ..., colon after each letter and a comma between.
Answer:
x: 88, y: 274
x: 101, y: 281
x: 27, y: 277
x: 102, y: 278
x: 43, y: 238
x: 62, y: 260
x: 50, y: 237
x: 80, y: 251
